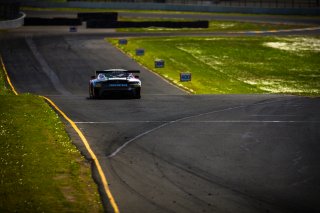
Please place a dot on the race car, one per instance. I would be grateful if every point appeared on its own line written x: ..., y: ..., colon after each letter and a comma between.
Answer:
x: 115, y: 82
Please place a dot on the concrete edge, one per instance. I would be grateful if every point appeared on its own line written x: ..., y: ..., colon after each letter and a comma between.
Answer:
x: 14, y: 23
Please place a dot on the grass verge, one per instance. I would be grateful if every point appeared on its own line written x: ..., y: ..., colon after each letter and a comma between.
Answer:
x: 4, y: 87
x: 41, y: 170
x: 235, y: 65
x: 214, y: 26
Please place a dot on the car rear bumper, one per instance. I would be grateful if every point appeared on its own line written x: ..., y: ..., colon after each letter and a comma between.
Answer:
x: 118, y: 91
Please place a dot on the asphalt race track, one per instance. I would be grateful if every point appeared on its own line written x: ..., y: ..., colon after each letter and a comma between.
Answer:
x: 172, y: 151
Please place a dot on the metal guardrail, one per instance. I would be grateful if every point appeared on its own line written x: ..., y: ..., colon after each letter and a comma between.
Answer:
x: 273, y: 3
x: 226, y: 3
x: 14, y: 23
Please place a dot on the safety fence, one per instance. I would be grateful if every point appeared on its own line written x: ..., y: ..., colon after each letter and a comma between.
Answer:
x: 226, y: 3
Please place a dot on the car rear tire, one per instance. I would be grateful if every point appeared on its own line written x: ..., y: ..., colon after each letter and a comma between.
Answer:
x: 93, y: 92
x: 90, y: 92
x: 137, y: 93
x: 96, y: 93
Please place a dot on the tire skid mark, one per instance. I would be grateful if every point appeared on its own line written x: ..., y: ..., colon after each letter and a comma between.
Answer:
x: 217, y: 181
x: 155, y: 161
x: 131, y: 189
x: 46, y: 68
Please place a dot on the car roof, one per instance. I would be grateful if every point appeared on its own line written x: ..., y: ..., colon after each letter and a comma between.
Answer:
x: 116, y: 70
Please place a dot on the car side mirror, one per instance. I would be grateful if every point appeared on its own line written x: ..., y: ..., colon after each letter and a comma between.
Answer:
x: 93, y: 77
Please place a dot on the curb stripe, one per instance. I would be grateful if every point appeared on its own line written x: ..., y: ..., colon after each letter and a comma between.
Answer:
x: 82, y: 137
x: 7, y: 76
x: 93, y: 156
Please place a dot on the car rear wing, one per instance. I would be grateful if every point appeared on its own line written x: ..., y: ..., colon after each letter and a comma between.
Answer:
x: 106, y: 71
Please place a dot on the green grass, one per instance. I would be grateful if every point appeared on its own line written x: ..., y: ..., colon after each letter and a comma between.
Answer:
x: 41, y: 170
x: 214, y: 26
x: 4, y: 87
x: 235, y: 65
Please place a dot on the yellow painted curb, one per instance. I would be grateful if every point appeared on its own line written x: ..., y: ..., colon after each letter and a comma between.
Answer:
x: 93, y: 156
x: 7, y: 76
x: 84, y: 140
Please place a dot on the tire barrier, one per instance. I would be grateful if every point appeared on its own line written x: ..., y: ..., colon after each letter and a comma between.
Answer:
x: 110, y: 20
x: 52, y: 22
x: 145, y: 24
x: 109, y: 16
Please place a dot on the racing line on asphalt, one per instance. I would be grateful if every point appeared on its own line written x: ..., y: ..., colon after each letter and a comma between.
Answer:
x: 119, y: 149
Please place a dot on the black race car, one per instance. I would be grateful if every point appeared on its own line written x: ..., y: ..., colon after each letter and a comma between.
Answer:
x: 114, y: 82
